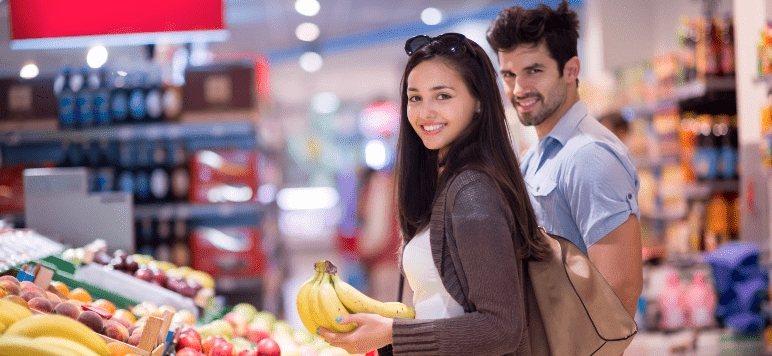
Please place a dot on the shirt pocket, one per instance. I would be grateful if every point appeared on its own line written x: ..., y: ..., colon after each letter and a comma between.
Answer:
x: 543, y: 187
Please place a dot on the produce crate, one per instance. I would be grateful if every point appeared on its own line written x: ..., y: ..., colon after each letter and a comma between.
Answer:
x: 148, y: 343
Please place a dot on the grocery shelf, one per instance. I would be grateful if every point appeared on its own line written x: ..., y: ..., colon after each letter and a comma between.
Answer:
x: 764, y: 79
x: 706, y: 188
x: 684, y: 92
x: 170, y: 211
x: 154, y: 131
x: 663, y: 216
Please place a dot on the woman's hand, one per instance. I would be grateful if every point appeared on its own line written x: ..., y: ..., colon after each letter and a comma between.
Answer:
x: 373, y: 332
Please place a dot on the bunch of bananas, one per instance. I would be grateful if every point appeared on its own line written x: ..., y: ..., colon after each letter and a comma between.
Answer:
x: 45, y: 335
x: 325, y: 297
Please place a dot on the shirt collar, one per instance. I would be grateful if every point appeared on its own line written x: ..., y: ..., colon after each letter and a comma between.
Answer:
x: 565, y: 128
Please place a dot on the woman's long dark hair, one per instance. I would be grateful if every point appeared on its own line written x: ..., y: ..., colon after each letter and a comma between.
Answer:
x: 485, y: 145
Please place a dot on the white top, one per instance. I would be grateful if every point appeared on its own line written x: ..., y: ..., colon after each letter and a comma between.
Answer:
x: 430, y: 298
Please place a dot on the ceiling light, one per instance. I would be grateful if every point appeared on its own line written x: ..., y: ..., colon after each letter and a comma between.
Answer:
x: 29, y: 71
x: 325, y: 103
x: 307, y: 31
x: 307, y: 7
x: 96, y: 57
x: 311, y: 62
x: 431, y: 16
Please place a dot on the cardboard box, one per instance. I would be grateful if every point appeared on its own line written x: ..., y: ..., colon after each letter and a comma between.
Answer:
x: 234, y: 252
x: 224, y: 176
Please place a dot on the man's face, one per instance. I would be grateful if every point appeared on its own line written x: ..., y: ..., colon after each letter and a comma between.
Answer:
x: 532, y: 82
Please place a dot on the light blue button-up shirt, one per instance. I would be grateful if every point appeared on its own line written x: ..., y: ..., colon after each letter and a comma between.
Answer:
x: 581, y: 179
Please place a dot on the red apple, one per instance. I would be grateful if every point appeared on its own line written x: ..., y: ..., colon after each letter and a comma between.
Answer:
x: 144, y: 274
x: 187, y: 351
x: 256, y: 333
x: 221, y: 348
x: 268, y: 347
x: 189, y: 338
x: 206, y: 346
x: 159, y: 277
x: 247, y: 352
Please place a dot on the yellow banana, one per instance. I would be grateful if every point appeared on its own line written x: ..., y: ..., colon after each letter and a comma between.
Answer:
x: 304, y: 307
x: 24, y: 346
x: 331, y: 308
x: 313, y: 301
x: 2, y: 328
x: 11, y: 312
x: 59, y: 326
x: 65, y: 344
x: 357, y: 302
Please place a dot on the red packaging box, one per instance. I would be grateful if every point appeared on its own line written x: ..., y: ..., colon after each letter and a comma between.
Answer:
x: 12, y: 189
x: 234, y: 252
x: 224, y: 176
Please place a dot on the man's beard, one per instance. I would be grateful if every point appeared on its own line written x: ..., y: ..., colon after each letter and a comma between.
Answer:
x: 536, y: 118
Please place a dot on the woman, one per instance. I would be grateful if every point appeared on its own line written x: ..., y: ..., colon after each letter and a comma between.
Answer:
x: 466, y: 219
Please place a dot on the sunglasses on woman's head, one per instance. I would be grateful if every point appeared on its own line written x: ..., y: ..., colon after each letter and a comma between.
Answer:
x: 415, y: 43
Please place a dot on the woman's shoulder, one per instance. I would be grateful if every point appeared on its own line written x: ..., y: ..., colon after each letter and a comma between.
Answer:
x: 471, y: 179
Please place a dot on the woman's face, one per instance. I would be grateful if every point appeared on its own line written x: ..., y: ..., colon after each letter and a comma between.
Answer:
x: 439, y: 105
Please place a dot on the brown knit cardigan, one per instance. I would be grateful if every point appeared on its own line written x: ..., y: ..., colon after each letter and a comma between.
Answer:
x: 471, y: 237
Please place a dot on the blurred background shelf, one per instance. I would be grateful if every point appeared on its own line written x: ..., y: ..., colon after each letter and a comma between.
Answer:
x: 187, y: 211
x: 684, y: 92
x: 158, y: 131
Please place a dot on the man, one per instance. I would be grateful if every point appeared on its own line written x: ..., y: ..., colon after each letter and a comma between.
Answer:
x: 580, y: 176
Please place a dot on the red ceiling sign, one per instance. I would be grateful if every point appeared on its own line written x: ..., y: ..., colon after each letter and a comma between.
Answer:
x: 56, y: 19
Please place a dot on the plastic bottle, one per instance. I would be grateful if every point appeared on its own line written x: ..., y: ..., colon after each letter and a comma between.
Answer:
x: 672, y: 303
x: 701, y: 302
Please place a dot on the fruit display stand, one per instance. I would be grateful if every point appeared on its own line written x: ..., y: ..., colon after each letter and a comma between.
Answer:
x: 133, y: 288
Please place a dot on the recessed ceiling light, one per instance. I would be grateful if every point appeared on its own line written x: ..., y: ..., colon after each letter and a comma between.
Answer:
x: 311, y: 62
x: 431, y: 16
x: 307, y: 7
x: 307, y: 31
x: 29, y: 71
x: 96, y: 57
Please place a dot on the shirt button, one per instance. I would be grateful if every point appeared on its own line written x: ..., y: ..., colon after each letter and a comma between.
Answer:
x: 629, y: 195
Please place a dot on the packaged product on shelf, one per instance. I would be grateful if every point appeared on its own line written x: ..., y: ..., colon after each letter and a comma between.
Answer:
x: 223, y: 176
x: 717, y: 221
x: 700, y: 302
x: 766, y: 132
x: 234, y: 252
x: 672, y: 303
x: 66, y: 99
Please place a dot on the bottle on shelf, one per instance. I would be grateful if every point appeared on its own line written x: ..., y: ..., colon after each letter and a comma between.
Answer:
x: 164, y: 239
x: 145, y: 232
x: 672, y: 303
x: 180, y: 173
x: 137, y: 108
x: 728, y: 147
x: 65, y: 98
x: 125, y: 170
x: 700, y: 302
x: 105, y: 170
x: 142, y: 172
x: 706, y: 156
x: 717, y: 221
x: 119, y: 99
x: 153, y: 96
x: 727, y: 46
x: 84, y: 101
x: 159, y: 175
x: 713, y: 48
x: 102, y: 99
x: 92, y: 163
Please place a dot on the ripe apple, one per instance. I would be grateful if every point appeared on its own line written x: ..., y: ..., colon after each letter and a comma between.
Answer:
x: 144, y: 274
x: 221, y: 348
x: 189, y: 338
x: 255, y: 333
x: 268, y: 347
x: 159, y: 277
x: 187, y: 351
x: 247, y: 352
x: 210, y: 341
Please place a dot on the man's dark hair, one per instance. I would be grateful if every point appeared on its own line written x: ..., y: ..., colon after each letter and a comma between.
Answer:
x: 557, y: 28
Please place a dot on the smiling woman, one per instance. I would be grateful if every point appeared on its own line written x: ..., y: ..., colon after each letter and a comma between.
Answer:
x: 459, y: 194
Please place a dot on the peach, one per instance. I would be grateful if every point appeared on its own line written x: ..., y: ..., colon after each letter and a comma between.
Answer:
x: 10, y: 279
x: 41, y: 304
x: 29, y: 295
x: 18, y: 300
x: 25, y: 285
x: 125, y: 314
x: 67, y: 309
x: 134, y: 339
x: 10, y: 287
x: 127, y: 324
x: 92, y: 320
x: 115, y: 330
x: 53, y: 297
